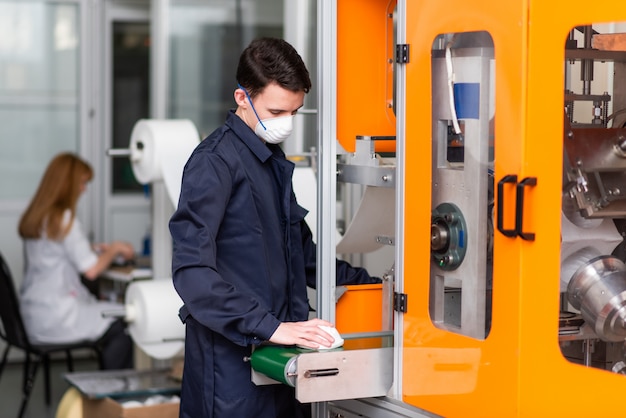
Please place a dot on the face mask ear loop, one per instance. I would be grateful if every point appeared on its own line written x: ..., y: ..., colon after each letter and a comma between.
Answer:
x: 253, y: 109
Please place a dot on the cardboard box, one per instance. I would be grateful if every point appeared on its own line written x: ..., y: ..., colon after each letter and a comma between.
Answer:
x: 112, y: 408
x: 104, y: 392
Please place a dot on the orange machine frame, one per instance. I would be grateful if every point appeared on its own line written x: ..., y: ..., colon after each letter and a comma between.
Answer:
x: 364, y: 73
x: 518, y: 370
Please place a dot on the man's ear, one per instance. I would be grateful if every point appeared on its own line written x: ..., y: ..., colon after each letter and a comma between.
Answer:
x: 240, y: 98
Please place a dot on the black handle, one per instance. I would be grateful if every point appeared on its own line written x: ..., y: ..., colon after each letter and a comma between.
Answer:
x: 511, y: 178
x: 519, y: 208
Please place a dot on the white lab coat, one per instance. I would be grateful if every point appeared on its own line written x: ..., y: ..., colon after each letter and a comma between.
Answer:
x: 55, y: 305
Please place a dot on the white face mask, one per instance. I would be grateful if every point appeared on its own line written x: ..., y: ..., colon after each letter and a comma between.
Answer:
x: 274, y: 130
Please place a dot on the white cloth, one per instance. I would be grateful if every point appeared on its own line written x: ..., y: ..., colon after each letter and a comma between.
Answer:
x: 55, y: 305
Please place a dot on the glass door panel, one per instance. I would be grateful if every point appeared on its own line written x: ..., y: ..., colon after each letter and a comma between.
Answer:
x: 39, y: 90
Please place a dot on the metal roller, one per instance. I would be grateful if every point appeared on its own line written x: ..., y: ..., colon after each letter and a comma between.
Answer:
x: 598, y: 290
x: 276, y: 362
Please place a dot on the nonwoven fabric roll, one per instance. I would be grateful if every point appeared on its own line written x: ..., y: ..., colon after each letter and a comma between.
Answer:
x: 152, y: 315
x: 376, y: 216
x: 159, y: 150
x: 305, y: 189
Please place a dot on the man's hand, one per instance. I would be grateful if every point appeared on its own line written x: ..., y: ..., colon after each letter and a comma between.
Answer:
x: 304, y: 334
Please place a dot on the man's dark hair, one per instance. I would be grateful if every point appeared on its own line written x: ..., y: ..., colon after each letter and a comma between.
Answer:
x: 268, y: 60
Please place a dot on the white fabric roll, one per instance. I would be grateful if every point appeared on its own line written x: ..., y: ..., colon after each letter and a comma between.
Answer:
x: 305, y: 188
x: 152, y: 315
x: 159, y: 150
x: 376, y: 216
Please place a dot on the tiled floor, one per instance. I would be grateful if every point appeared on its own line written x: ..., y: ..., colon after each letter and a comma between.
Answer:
x: 11, y: 389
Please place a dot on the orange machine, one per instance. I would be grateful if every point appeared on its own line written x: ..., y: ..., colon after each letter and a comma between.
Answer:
x: 486, y: 263
x: 488, y: 141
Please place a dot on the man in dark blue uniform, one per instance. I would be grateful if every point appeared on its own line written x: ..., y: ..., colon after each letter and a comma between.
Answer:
x: 243, y: 254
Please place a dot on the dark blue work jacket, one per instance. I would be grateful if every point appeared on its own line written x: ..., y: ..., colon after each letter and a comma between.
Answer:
x: 243, y: 256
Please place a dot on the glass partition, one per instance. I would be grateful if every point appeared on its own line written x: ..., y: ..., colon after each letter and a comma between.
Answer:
x: 206, y: 39
x: 130, y: 93
x: 39, y: 90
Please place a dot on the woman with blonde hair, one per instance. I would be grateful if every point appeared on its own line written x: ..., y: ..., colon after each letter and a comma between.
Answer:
x: 57, y: 307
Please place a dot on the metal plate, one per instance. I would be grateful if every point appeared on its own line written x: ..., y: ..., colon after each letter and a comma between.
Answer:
x: 361, y: 374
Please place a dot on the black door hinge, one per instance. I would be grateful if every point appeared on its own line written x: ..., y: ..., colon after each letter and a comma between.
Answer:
x: 400, y: 303
x: 402, y: 53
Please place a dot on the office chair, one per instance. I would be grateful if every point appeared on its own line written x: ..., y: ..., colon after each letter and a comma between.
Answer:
x: 14, y: 333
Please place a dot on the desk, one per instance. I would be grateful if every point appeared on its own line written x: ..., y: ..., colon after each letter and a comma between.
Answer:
x: 127, y: 274
x: 112, y: 282
x: 139, y: 268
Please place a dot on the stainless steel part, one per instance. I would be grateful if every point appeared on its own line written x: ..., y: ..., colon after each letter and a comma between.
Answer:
x: 344, y: 374
x: 598, y: 290
x: 619, y: 368
x: 365, y: 167
x: 376, y: 408
x: 290, y: 372
x: 595, y: 163
x: 463, y: 182
x: 573, y: 262
x: 381, y: 176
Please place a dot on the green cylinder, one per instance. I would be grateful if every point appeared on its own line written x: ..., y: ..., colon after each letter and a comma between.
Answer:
x: 276, y: 362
